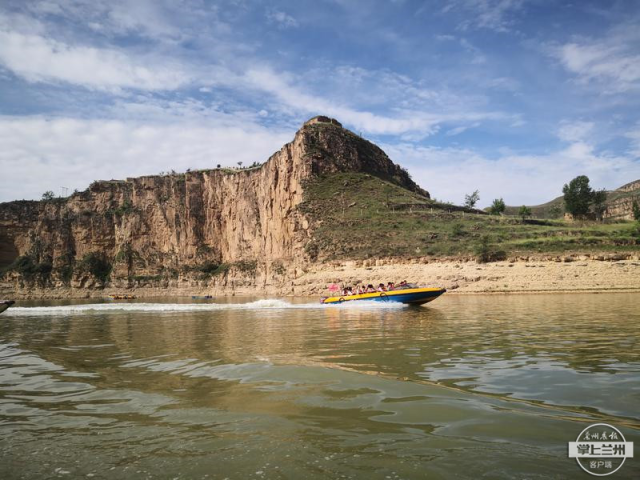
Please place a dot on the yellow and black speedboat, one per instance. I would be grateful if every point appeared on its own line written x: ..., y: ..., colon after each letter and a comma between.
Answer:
x: 409, y: 294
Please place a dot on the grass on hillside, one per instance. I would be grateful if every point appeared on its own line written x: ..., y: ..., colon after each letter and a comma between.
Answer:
x: 359, y: 216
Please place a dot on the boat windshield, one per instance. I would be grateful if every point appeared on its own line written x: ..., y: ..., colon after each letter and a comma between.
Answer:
x: 407, y: 286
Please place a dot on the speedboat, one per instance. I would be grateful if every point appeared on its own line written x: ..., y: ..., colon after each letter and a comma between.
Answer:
x: 409, y: 294
x: 4, y: 304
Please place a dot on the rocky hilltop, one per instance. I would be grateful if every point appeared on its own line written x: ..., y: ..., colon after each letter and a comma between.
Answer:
x: 620, y: 201
x: 184, y: 229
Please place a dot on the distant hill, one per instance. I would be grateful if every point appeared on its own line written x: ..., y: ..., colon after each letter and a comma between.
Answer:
x: 619, y: 204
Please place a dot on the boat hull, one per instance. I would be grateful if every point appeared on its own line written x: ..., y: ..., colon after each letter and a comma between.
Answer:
x: 411, y: 296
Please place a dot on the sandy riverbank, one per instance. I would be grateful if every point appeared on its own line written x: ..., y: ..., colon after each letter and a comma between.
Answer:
x: 498, y: 277
x: 569, y: 274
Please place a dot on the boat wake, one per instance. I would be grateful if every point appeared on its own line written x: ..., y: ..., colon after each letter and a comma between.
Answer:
x: 271, y: 304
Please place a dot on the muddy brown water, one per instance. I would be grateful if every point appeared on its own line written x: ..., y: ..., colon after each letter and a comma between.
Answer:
x: 466, y: 387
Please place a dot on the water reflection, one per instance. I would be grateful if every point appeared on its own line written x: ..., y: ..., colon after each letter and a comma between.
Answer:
x: 237, y: 387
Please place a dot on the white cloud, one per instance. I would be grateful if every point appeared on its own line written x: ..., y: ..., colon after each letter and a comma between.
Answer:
x: 611, y: 62
x: 450, y: 173
x: 37, y: 55
x: 277, y: 85
x: 634, y: 137
x: 412, y: 121
x: 494, y: 15
x: 477, y: 55
x: 282, y: 19
x: 139, y: 16
x: 148, y: 18
x: 575, y: 131
x: 47, y: 153
x: 458, y: 130
x: 39, y: 59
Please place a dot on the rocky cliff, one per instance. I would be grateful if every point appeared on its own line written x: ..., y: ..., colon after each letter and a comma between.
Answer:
x: 620, y: 201
x: 201, y: 226
x: 630, y: 187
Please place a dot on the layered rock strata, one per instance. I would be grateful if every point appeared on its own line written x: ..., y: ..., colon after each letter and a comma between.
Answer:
x: 178, y: 229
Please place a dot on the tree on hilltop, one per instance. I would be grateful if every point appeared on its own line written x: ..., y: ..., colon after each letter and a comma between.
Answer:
x: 636, y: 210
x: 555, y: 211
x: 497, y: 207
x: 578, y: 196
x: 524, y: 212
x: 471, y: 200
x: 48, y: 196
x: 599, y: 198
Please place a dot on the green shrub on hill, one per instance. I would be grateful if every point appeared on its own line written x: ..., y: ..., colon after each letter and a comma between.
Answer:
x: 246, y: 266
x: 486, y: 251
x: 457, y: 230
x: 497, y: 207
x: 636, y: 210
x: 30, y: 269
x: 97, y: 265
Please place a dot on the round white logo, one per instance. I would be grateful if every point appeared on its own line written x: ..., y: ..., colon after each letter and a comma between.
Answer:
x: 600, y: 449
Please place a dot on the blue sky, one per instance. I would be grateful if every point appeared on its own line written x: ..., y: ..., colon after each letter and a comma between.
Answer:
x: 510, y: 97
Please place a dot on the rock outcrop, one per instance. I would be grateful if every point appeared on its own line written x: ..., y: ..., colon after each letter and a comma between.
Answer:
x: 619, y: 204
x: 630, y: 187
x: 185, y: 227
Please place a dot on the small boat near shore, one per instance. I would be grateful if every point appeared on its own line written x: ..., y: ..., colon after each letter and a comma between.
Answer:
x: 4, y: 304
x: 410, y: 295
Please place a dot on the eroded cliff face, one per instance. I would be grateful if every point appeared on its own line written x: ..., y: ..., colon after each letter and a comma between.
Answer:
x: 620, y: 203
x: 215, y: 226
x: 630, y: 187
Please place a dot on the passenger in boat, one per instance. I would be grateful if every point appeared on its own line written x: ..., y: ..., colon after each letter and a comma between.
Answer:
x: 403, y: 283
x: 371, y: 289
x: 390, y: 286
x: 362, y: 289
x: 381, y: 288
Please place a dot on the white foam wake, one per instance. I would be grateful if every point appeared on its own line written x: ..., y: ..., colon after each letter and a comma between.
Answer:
x: 273, y: 304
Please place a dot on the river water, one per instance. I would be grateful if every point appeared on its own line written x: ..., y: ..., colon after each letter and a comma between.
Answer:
x: 468, y: 387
